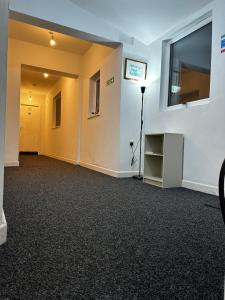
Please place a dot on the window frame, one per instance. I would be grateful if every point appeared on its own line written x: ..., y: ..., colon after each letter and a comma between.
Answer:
x: 94, y: 95
x: 55, y: 99
x: 166, y: 63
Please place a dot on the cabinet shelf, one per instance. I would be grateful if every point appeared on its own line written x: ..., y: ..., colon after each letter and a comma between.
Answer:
x: 153, y: 154
x: 163, y: 159
x: 153, y: 178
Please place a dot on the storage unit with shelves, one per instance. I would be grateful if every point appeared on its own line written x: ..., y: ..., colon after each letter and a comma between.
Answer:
x: 163, y: 159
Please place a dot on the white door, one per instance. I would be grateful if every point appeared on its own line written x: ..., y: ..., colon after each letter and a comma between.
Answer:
x: 30, y: 128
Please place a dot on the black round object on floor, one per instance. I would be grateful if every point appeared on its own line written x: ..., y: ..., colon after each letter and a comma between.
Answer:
x: 221, y: 190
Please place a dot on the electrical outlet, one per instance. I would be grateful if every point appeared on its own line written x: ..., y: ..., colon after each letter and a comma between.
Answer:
x: 131, y: 143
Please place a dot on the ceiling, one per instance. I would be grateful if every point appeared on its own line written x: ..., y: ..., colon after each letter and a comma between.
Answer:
x: 33, y: 34
x: 145, y: 20
x: 32, y: 80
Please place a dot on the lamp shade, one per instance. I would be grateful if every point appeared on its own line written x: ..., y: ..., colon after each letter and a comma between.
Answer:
x: 143, y: 88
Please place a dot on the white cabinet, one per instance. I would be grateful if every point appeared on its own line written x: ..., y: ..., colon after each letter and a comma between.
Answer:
x: 163, y: 159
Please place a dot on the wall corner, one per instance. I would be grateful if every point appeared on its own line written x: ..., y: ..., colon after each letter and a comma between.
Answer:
x: 3, y: 229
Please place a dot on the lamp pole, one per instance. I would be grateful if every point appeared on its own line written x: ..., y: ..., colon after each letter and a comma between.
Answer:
x: 139, y: 176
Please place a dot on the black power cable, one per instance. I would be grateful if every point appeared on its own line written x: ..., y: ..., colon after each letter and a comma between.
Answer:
x: 134, y: 158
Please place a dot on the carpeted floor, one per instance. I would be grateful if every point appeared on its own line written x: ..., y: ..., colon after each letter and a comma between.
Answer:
x: 77, y: 234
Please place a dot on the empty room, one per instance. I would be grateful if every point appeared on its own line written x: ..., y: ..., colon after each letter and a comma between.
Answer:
x: 112, y: 152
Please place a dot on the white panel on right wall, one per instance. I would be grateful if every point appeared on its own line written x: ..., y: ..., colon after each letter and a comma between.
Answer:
x: 202, y: 125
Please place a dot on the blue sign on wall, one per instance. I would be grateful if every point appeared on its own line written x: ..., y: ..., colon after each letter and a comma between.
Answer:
x: 135, y: 70
x: 223, y: 43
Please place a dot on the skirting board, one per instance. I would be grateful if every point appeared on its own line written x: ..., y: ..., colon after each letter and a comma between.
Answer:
x: 200, y: 187
x: 109, y: 172
x: 12, y: 164
x: 127, y: 174
x: 3, y: 229
x: 113, y: 173
x: 71, y: 161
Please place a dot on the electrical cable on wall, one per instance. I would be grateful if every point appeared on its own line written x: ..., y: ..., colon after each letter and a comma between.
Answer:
x: 134, y: 158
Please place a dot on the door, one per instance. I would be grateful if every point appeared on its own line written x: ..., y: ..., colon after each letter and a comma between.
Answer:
x: 30, y: 128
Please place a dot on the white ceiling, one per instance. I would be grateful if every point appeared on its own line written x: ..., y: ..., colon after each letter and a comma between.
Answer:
x: 145, y: 20
x: 34, y: 81
x: 33, y: 34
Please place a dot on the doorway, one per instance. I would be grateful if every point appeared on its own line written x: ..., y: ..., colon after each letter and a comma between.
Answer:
x: 30, y: 129
x: 49, y: 106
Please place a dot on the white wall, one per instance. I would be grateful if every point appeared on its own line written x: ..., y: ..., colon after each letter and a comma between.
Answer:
x: 3, y: 69
x: 202, y: 125
x: 62, y: 143
x: 130, y: 112
x: 100, y: 135
x: 23, y: 53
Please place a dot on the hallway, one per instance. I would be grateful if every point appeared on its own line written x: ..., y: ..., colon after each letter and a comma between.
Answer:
x: 78, y: 234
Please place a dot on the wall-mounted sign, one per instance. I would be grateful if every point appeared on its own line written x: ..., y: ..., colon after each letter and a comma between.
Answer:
x: 110, y: 81
x: 223, y: 43
x: 135, y: 70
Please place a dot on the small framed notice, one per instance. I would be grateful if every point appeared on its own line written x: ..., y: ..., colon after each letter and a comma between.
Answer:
x: 135, y: 70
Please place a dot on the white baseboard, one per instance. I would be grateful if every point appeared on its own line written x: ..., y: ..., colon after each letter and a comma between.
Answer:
x: 127, y: 174
x: 3, y: 229
x: 71, y: 161
x: 200, y: 187
x: 106, y: 171
x: 113, y: 173
x: 12, y: 164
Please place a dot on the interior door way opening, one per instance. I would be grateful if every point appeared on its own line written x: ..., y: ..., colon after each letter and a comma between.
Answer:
x: 41, y: 108
x: 30, y: 129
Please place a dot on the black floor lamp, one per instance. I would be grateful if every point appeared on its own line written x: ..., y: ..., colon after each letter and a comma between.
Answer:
x: 139, y: 176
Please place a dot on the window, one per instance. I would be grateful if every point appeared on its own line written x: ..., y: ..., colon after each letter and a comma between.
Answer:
x: 94, y: 96
x: 57, y: 111
x: 190, y: 67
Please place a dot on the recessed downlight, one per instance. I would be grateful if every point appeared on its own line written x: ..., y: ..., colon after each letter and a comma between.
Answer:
x: 52, y: 41
x: 30, y: 97
x: 46, y: 75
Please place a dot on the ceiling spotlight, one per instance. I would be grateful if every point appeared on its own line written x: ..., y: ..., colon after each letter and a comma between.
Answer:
x: 46, y: 75
x: 52, y: 41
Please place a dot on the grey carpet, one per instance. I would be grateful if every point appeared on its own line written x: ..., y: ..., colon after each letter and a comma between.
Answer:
x: 77, y: 234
